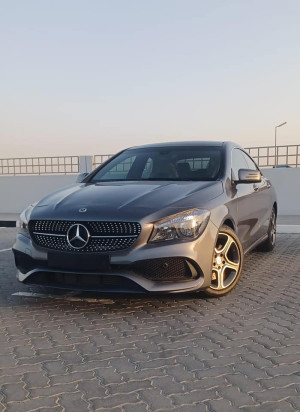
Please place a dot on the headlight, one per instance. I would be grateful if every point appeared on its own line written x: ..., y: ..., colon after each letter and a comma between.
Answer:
x: 183, y: 226
x: 22, y: 223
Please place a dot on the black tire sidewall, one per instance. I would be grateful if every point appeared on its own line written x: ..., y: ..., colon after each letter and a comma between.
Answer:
x: 267, y: 245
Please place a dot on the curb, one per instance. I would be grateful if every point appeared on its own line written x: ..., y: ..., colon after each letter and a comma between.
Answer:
x: 288, y: 229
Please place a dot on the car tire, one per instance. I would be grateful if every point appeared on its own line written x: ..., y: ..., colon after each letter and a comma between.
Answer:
x: 227, y: 265
x: 269, y: 244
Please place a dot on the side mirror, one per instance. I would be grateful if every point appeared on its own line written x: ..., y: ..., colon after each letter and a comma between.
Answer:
x: 249, y: 176
x: 80, y: 178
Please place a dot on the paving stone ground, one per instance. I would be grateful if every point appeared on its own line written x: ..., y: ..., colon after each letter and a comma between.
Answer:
x: 155, y: 353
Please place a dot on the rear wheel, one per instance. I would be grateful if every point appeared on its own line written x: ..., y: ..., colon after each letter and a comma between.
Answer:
x: 227, y: 263
x: 270, y: 242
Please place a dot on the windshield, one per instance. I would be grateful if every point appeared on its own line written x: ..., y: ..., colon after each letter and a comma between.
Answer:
x: 201, y: 163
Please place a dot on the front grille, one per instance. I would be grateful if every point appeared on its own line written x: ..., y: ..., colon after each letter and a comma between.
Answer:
x: 104, y: 236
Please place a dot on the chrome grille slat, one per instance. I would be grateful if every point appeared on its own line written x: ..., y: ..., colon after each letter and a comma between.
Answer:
x: 48, y: 234
x: 105, y: 236
x: 112, y: 237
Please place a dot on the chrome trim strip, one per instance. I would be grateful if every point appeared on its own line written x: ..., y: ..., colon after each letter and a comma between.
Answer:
x: 48, y: 234
x: 93, y: 237
x: 113, y: 237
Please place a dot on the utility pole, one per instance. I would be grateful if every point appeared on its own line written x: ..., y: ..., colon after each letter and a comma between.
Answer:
x: 276, y: 151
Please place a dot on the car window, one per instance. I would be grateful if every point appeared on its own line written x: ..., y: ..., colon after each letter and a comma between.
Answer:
x: 147, y: 169
x: 238, y: 162
x: 250, y: 162
x: 196, y: 163
x: 203, y: 163
x: 120, y: 170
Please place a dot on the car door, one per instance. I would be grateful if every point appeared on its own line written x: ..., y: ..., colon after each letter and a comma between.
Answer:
x: 248, y: 202
x: 263, y: 199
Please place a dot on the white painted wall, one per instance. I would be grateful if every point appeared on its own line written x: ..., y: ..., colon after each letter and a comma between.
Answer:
x: 287, y: 186
x: 17, y: 192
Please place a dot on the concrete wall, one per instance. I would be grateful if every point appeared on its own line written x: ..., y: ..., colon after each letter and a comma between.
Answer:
x: 287, y: 186
x: 17, y: 192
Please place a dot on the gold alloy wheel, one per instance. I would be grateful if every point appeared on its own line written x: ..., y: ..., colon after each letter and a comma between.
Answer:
x: 226, y: 262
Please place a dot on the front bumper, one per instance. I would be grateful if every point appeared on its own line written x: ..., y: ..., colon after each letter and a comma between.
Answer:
x: 163, y: 267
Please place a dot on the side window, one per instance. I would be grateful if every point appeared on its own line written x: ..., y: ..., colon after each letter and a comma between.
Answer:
x: 238, y: 162
x: 250, y: 162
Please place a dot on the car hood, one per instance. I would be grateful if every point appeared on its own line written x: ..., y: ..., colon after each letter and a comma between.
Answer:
x: 125, y: 200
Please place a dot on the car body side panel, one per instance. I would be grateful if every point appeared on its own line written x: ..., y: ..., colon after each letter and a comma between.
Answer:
x: 248, y: 218
x: 264, y: 200
x: 252, y: 202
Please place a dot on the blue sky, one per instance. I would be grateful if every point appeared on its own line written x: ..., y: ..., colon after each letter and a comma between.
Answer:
x: 88, y: 77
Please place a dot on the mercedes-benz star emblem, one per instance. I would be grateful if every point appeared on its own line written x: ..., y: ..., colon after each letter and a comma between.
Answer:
x: 78, y: 236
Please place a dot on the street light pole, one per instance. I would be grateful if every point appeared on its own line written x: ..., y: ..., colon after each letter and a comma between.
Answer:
x: 276, y: 152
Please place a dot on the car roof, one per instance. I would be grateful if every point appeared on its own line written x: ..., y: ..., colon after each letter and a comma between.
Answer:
x: 183, y: 143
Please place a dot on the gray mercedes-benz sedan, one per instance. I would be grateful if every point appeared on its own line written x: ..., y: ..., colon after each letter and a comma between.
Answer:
x: 171, y: 217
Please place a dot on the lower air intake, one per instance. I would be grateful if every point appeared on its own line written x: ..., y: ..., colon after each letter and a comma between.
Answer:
x: 165, y: 269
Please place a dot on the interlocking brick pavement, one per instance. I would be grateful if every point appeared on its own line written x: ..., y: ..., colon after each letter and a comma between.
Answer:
x: 155, y: 353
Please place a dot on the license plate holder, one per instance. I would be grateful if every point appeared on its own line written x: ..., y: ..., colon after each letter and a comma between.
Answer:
x: 88, y: 262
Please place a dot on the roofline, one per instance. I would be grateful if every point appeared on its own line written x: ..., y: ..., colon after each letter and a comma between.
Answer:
x: 182, y: 143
